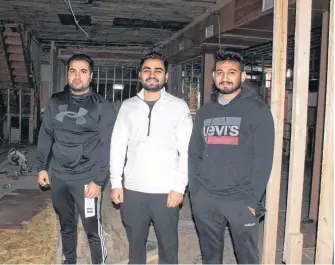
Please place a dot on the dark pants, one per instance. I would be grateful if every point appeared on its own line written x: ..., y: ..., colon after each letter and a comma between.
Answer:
x: 211, y: 214
x: 137, y: 212
x: 69, y: 200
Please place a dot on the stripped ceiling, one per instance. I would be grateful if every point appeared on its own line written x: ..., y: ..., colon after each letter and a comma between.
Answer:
x: 115, y: 30
x: 107, y: 22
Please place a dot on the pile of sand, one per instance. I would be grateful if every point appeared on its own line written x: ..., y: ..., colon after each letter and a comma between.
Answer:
x: 34, y: 243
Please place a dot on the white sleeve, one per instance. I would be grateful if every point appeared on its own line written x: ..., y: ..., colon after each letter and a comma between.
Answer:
x: 184, y: 131
x: 118, y: 149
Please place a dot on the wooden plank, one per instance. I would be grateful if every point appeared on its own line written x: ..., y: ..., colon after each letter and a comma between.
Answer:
x: 315, y: 189
x: 325, y: 237
x: 208, y: 76
x: 279, y: 56
x: 16, y: 57
x: 195, y: 22
x: 249, y: 9
x: 15, y: 49
x: 4, y: 78
x: 298, y: 131
x: 294, y: 250
x: 11, y: 33
x: 21, y: 79
x: 259, y: 37
x: 4, y: 69
x: 13, y: 40
x: 20, y: 72
x: 18, y: 65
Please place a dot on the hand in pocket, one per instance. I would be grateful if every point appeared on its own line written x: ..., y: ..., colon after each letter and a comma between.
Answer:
x: 252, y: 210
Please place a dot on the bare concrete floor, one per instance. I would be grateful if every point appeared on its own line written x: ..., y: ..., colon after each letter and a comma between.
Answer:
x: 189, y: 246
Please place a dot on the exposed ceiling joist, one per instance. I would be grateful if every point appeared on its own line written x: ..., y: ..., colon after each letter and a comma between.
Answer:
x: 217, y: 45
x: 255, y: 29
x: 246, y: 37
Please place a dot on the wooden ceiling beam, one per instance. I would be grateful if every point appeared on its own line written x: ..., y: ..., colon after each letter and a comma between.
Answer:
x: 103, y: 52
x: 247, y: 37
x: 255, y: 29
x: 234, y: 14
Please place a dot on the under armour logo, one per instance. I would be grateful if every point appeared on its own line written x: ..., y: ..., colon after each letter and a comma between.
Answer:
x: 79, y: 116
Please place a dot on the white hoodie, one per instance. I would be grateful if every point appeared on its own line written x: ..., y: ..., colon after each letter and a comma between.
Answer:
x: 157, y: 152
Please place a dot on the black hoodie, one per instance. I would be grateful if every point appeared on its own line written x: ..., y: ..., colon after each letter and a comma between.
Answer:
x: 76, y: 131
x: 231, y: 148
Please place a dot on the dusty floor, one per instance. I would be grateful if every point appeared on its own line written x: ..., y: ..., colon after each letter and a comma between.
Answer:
x: 33, y: 243
x: 189, y: 246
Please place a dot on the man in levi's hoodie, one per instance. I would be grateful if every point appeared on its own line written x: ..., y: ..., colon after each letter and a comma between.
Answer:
x: 230, y: 160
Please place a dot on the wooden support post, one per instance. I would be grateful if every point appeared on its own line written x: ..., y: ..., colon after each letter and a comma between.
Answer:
x: 9, y: 115
x: 98, y: 80
x: 294, y: 244
x: 130, y: 77
x: 106, y: 79
x: 293, y: 241
x: 315, y: 189
x: 122, y: 70
x: 32, y: 116
x: 114, y: 71
x: 325, y: 235
x: 52, y: 69
x: 169, y: 82
x: 208, y: 77
x: 279, y: 56
x: 20, y: 115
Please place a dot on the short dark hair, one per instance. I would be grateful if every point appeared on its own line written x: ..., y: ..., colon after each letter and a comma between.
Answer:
x: 229, y: 55
x: 81, y: 57
x: 154, y: 55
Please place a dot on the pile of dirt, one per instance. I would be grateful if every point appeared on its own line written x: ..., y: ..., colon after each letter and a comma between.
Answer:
x: 34, y: 243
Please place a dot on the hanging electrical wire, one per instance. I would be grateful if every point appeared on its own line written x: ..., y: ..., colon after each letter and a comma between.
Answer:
x: 218, y: 17
x: 75, y: 19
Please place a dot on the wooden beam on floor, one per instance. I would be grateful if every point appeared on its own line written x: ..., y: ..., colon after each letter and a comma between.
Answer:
x: 279, y: 56
x: 293, y: 237
x: 315, y: 189
x: 325, y: 234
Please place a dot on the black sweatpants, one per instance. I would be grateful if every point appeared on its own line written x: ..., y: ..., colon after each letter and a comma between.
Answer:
x: 137, y: 212
x: 69, y: 200
x: 211, y: 214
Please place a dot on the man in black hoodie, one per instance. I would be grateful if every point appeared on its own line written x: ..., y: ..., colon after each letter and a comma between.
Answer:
x: 230, y: 160
x: 75, y: 135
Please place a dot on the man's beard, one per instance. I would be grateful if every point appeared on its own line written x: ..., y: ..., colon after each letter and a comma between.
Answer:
x: 158, y: 87
x: 229, y: 91
x: 79, y: 89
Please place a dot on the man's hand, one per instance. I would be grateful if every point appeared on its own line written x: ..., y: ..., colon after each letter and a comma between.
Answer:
x: 43, y: 178
x: 252, y: 210
x: 92, y: 190
x: 174, y: 199
x: 117, y: 195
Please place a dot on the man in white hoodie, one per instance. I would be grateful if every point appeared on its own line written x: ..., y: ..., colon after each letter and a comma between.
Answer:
x: 153, y: 129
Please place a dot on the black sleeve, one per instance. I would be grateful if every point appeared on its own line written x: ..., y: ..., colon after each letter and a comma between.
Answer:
x: 195, y: 153
x: 106, y: 125
x: 45, y: 140
x: 263, y: 144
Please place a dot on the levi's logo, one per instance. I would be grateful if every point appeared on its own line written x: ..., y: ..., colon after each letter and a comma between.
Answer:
x: 222, y: 130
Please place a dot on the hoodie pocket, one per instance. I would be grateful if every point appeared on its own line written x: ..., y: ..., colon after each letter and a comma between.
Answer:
x: 215, y: 173
x: 68, y: 155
